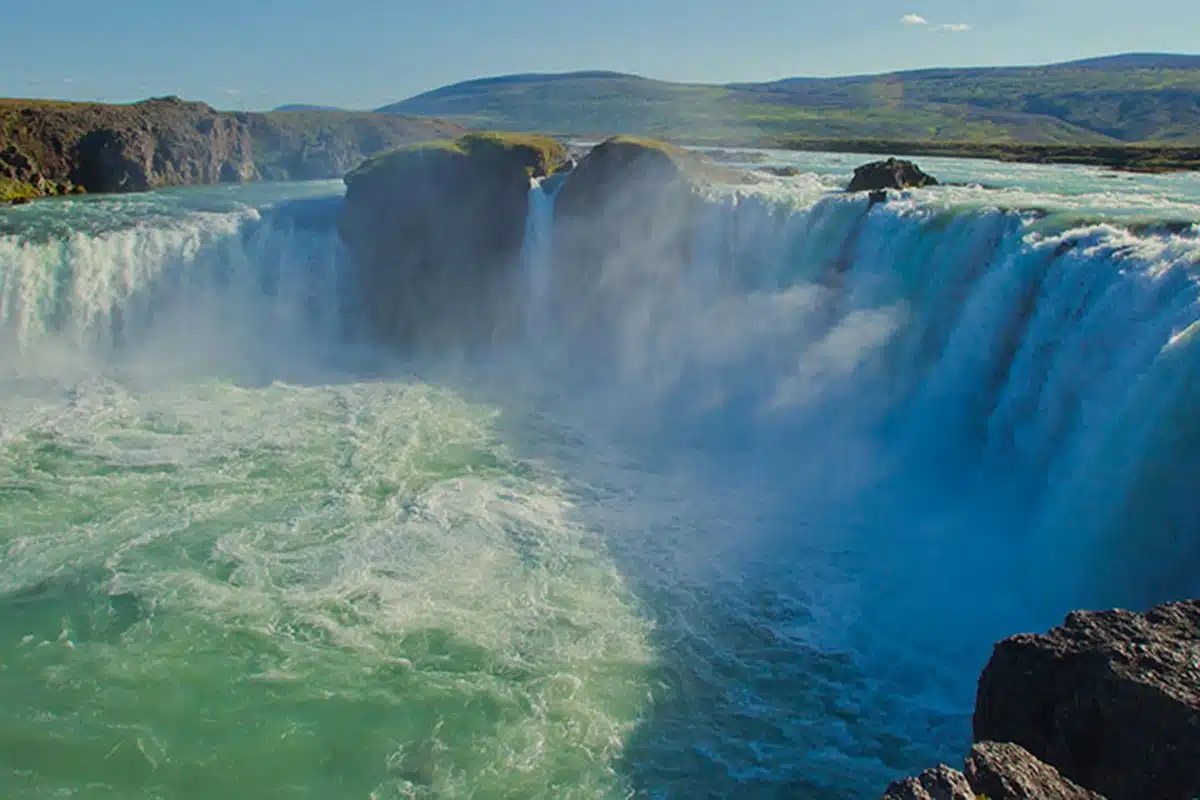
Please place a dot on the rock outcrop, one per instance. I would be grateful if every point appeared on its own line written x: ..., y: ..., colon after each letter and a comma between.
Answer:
x: 940, y: 783
x: 166, y: 142
x: 782, y: 172
x: 1105, y: 706
x: 993, y: 771
x: 49, y: 148
x: 54, y: 147
x: 1111, y: 699
x: 626, y: 217
x: 437, y: 231
x: 879, y: 176
x: 1010, y: 772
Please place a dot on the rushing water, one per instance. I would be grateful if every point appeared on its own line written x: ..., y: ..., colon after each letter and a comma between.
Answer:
x: 761, y: 548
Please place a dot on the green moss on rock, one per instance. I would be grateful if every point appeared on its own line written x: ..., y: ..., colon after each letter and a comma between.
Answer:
x: 539, y: 155
x: 628, y: 214
x: 437, y: 229
x: 16, y: 191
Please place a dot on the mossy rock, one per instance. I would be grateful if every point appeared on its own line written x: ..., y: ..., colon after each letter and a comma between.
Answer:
x: 636, y: 160
x: 626, y: 222
x: 539, y: 156
x: 437, y: 230
x: 17, y: 191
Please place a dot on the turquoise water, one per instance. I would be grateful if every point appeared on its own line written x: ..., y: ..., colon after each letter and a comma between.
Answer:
x: 757, y: 543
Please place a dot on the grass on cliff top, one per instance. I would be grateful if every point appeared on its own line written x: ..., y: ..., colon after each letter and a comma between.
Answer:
x: 1129, y: 157
x: 543, y: 150
x: 690, y: 163
x: 12, y: 191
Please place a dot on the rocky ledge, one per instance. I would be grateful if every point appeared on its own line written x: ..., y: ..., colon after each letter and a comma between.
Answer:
x: 894, y: 173
x: 54, y: 148
x: 437, y: 230
x: 632, y: 202
x: 1105, y: 706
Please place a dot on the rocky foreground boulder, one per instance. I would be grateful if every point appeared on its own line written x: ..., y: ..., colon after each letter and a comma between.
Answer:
x: 1111, y: 699
x: 993, y: 771
x: 939, y: 783
x: 1105, y: 706
x: 437, y: 231
x: 894, y: 173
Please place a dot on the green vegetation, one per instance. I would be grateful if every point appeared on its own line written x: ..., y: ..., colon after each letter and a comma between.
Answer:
x: 15, y: 191
x: 1132, y: 157
x: 547, y: 152
x: 690, y: 163
x: 645, y: 142
x: 303, y: 144
x: 1123, y: 99
x: 541, y: 155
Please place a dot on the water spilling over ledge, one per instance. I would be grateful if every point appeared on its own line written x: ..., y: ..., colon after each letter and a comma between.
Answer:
x: 736, y: 500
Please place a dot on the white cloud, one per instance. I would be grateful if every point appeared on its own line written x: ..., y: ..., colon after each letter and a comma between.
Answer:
x: 955, y: 27
x: 914, y: 19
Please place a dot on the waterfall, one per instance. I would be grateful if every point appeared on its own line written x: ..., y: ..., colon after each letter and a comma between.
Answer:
x: 202, y: 280
x: 1038, y: 359
x: 537, y: 252
x: 756, y: 521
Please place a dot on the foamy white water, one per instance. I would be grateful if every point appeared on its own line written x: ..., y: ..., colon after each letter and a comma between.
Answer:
x: 760, y: 545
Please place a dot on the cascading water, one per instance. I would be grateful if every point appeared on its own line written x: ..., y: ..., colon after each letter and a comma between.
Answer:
x: 762, y: 549
x: 537, y: 253
x: 970, y: 421
x: 228, y: 281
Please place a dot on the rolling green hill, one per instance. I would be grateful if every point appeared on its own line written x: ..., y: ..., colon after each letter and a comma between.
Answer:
x: 1128, y: 98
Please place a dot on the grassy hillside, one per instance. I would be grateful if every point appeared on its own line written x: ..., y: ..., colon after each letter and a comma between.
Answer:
x: 1132, y: 98
x: 298, y: 145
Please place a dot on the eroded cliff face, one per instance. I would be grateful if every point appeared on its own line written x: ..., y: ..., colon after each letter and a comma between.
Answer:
x: 102, y: 148
x: 49, y: 148
x: 171, y: 143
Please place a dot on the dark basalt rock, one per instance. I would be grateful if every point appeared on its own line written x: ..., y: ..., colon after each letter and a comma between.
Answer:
x: 891, y: 174
x: 782, y: 172
x: 168, y: 141
x: 941, y: 783
x: 993, y: 771
x: 1111, y: 699
x: 437, y: 230
x: 626, y: 218
x: 187, y: 143
x: 1010, y: 772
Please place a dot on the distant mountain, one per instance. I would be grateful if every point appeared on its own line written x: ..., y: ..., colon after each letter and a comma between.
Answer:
x: 303, y: 107
x: 1136, y: 97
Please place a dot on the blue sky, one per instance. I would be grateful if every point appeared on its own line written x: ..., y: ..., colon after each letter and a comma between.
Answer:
x: 254, y: 54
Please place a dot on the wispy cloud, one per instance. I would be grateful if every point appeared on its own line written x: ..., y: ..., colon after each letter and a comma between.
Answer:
x: 954, y: 27
x: 914, y: 19
x: 233, y: 91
